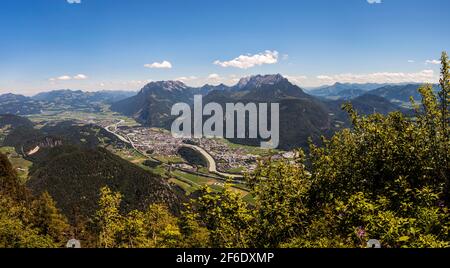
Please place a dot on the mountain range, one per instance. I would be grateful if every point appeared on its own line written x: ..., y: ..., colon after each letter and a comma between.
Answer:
x: 337, y: 88
x: 396, y: 93
x: 401, y: 94
x: 152, y: 105
x: 78, y: 97
x: 59, y: 99
x: 19, y: 105
x: 312, y: 116
x: 314, y: 112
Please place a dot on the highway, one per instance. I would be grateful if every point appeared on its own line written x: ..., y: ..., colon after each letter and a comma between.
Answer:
x: 126, y: 140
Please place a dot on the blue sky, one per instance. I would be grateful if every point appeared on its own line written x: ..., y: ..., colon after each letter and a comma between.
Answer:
x: 122, y: 44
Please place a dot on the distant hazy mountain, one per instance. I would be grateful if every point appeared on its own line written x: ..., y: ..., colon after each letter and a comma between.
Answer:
x: 368, y: 104
x: 400, y: 93
x: 81, y: 99
x: 349, y: 94
x: 334, y: 91
x: 365, y: 105
x: 110, y: 96
x: 19, y: 105
x: 396, y: 93
x: 59, y: 99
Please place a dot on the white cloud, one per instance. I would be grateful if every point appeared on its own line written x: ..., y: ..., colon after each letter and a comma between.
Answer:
x: 234, y: 78
x: 134, y: 83
x: 434, y: 62
x: 80, y: 77
x: 374, y: 1
x: 68, y: 77
x: 159, y: 65
x: 122, y: 85
x: 324, y: 77
x: 411, y: 61
x: 380, y: 77
x: 185, y: 79
x: 214, y: 77
x: 249, y: 61
x: 64, y: 77
x: 74, y: 1
x: 297, y: 79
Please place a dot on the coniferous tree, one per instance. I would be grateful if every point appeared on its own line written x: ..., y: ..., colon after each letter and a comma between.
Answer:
x: 48, y: 219
x: 162, y: 227
x: 108, y: 218
x: 17, y: 218
x: 9, y: 181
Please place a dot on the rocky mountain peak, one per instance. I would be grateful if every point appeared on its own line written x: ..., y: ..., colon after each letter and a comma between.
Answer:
x: 166, y: 85
x: 260, y: 80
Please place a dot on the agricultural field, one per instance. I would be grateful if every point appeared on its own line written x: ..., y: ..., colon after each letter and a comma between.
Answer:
x: 251, y: 149
x: 20, y: 165
x: 104, y: 117
x: 190, y: 183
x: 169, y: 159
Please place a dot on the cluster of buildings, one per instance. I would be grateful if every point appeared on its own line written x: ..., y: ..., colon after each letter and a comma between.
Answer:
x: 228, y: 158
x: 152, y: 141
x: 160, y: 142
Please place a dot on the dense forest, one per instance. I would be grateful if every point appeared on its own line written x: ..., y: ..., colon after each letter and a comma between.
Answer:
x: 386, y: 178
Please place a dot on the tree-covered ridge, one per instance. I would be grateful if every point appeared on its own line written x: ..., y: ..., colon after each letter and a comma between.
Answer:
x: 27, y: 221
x: 74, y: 175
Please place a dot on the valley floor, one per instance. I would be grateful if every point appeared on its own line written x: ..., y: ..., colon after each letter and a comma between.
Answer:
x: 227, y: 162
